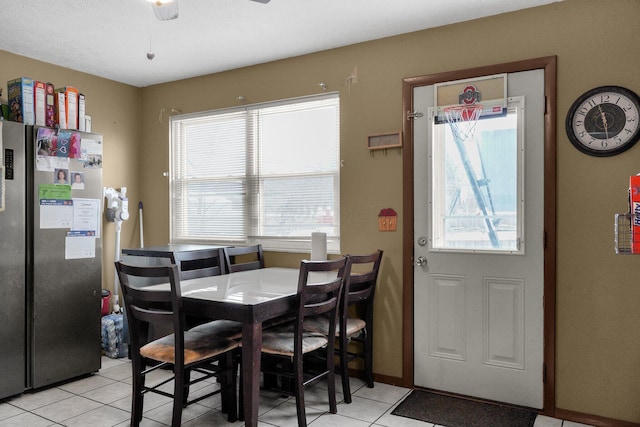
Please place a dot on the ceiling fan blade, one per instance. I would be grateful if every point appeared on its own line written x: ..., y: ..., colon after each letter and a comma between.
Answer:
x: 262, y: 1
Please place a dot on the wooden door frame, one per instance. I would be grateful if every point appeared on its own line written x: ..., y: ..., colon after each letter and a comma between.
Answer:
x: 549, y: 65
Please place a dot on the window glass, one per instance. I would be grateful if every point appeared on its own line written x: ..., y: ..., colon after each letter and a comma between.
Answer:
x: 265, y: 173
x: 478, y: 186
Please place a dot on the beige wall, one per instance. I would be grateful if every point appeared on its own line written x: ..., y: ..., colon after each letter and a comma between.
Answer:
x: 597, y: 42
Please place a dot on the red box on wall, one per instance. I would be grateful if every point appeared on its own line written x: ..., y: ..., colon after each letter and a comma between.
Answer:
x: 634, y: 206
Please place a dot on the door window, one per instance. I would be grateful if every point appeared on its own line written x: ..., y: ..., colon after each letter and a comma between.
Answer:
x: 477, y: 194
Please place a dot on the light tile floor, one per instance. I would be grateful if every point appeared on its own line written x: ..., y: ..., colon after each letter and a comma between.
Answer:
x: 103, y: 400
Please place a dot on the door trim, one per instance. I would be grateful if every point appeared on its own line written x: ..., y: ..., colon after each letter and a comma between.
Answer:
x: 549, y: 65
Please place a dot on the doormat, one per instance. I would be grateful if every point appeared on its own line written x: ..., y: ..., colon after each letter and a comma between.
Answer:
x: 456, y: 412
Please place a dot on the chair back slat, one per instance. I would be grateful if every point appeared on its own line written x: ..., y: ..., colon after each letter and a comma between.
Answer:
x: 251, y: 258
x: 201, y: 263
x: 152, y: 316
x: 322, y: 298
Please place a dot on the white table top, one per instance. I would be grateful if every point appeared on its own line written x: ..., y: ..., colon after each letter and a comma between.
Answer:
x: 248, y: 287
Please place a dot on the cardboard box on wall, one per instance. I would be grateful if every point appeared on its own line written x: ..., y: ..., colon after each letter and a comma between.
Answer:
x: 634, y: 205
x: 71, y: 105
x: 20, y: 99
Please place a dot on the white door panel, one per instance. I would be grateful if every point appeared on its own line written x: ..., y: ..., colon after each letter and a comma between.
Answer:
x: 478, y: 314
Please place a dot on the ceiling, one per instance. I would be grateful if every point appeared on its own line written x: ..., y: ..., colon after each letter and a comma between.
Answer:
x: 111, y: 38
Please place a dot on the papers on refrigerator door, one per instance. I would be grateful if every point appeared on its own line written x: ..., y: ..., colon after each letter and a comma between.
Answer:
x: 80, y: 244
x: 91, y: 153
x: 56, y: 213
x: 76, y: 214
x: 86, y: 215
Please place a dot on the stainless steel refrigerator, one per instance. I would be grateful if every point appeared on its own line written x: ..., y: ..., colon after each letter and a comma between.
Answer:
x: 50, y: 256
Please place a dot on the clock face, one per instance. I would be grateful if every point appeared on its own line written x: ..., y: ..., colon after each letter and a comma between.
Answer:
x: 604, y: 121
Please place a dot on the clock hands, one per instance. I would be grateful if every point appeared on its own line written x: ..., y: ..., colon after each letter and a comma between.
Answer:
x: 603, y: 116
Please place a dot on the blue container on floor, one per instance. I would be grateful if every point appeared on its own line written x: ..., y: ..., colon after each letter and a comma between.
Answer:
x: 114, y: 336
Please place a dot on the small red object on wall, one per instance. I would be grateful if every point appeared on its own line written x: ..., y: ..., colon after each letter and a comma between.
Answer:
x: 634, y: 209
x: 387, y: 220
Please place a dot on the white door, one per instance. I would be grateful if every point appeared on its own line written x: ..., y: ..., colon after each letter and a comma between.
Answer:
x: 478, y: 326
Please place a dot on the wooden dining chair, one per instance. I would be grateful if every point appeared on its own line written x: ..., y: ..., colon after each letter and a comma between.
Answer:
x: 356, y: 326
x: 285, y: 346
x: 204, y: 263
x: 191, y: 265
x: 243, y: 258
x: 183, y: 351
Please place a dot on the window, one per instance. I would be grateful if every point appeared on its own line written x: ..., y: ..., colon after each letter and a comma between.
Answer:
x: 488, y: 215
x: 265, y: 173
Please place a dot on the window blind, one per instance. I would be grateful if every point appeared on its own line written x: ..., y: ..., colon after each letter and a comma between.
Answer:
x: 265, y: 173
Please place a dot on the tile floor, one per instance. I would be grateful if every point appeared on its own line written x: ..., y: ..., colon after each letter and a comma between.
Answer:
x: 103, y: 399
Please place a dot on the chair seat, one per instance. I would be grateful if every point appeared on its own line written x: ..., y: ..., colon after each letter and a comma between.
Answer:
x: 197, y: 346
x: 280, y: 339
x: 220, y: 328
x: 321, y: 324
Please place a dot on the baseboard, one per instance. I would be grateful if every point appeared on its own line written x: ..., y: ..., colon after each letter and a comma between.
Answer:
x: 386, y: 379
x: 593, y: 420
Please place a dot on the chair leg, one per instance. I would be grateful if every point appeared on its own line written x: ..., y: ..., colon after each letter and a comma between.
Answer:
x: 299, y: 392
x: 331, y: 381
x: 240, y: 390
x: 229, y: 398
x: 368, y: 357
x: 137, y: 402
x: 223, y: 379
x: 178, y: 396
x: 344, y: 369
x: 185, y: 387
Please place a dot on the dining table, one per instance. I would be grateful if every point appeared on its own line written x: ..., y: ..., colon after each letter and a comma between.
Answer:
x: 252, y: 297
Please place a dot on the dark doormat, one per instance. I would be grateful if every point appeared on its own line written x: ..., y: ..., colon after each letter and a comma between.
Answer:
x: 457, y: 412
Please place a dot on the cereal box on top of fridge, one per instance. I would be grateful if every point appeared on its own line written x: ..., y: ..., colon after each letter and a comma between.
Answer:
x: 61, y: 110
x: 50, y: 107
x: 81, y: 113
x: 71, y: 105
x: 39, y: 102
x: 20, y: 99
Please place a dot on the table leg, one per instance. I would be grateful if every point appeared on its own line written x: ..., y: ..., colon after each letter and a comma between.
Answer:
x: 251, y: 354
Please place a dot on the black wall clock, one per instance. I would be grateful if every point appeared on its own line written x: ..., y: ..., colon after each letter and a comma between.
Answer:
x: 604, y: 121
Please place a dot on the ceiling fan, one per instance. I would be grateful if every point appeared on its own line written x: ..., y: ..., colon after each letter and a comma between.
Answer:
x: 167, y: 10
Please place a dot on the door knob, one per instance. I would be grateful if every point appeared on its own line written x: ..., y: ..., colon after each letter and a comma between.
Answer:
x: 421, y: 261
